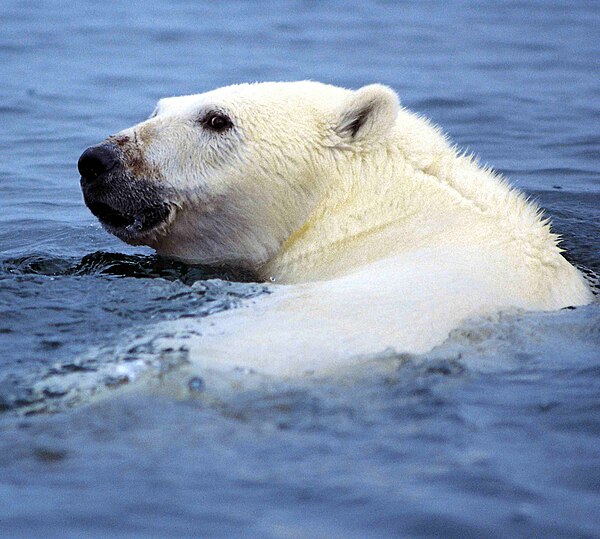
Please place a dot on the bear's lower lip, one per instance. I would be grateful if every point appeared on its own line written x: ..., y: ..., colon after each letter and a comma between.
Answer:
x: 141, y: 221
x: 110, y: 215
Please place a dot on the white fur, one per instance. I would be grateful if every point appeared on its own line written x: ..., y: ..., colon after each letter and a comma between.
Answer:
x: 390, y: 234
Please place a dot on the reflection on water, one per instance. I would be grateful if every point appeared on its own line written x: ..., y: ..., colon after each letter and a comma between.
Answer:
x: 103, y: 430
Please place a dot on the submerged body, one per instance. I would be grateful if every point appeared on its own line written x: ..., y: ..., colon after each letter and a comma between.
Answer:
x: 384, y: 234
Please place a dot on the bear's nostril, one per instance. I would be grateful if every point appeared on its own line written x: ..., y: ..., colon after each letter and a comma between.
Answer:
x: 97, y: 160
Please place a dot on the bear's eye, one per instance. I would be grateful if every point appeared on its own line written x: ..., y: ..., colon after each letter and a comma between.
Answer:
x: 216, y: 121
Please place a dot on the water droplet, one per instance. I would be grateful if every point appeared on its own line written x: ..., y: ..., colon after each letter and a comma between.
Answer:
x: 196, y: 384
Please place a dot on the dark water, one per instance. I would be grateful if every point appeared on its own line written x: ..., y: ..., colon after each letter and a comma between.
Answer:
x: 496, y: 433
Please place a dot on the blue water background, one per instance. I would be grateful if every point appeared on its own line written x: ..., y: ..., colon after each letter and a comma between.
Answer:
x: 496, y: 434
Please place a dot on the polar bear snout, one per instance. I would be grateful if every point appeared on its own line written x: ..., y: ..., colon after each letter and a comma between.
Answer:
x: 133, y: 209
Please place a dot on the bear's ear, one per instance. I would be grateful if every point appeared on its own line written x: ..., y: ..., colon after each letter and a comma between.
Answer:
x: 369, y: 113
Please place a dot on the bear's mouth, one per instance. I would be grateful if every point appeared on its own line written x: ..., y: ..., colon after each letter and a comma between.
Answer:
x: 110, y: 215
x: 141, y: 221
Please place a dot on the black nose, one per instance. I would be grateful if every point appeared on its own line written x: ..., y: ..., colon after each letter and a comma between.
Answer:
x: 97, y: 160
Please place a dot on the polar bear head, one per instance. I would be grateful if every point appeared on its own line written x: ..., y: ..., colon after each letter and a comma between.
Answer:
x: 225, y: 177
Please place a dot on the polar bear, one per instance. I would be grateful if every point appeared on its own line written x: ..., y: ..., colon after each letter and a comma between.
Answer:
x: 376, y: 232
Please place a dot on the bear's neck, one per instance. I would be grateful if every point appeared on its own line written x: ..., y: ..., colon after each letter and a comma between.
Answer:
x: 394, y: 200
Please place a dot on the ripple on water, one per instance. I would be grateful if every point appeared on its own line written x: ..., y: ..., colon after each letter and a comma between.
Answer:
x: 50, y: 378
